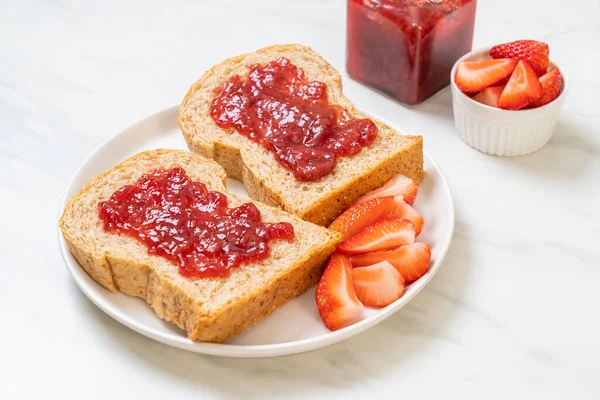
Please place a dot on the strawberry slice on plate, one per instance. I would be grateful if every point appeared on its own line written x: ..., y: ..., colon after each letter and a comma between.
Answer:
x: 474, y: 76
x: 359, y: 216
x: 537, y: 53
x: 382, y: 235
x: 405, y: 211
x: 378, y: 285
x: 489, y: 96
x: 552, y: 84
x: 411, y: 260
x: 522, y: 88
x: 335, y: 296
x: 399, y: 185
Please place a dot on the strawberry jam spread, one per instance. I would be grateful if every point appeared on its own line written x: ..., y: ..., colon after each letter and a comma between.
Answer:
x: 184, y: 222
x: 277, y: 107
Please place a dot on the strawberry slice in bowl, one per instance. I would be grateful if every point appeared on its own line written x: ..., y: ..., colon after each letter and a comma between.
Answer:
x: 489, y: 96
x: 474, y: 76
x: 522, y: 88
x: 552, y: 85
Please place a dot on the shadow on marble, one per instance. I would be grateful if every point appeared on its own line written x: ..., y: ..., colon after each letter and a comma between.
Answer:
x: 417, y: 328
x: 565, y: 157
x: 438, y: 106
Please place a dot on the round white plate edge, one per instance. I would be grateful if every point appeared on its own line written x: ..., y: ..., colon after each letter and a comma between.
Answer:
x: 246, y: 351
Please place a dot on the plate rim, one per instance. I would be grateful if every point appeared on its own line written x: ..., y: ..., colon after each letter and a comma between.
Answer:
x: 238, y: 350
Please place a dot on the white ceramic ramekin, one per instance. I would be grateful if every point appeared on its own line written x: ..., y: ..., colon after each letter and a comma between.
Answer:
x: 504, y: 132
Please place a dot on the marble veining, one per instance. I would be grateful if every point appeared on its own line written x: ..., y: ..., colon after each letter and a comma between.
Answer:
x: 513, y: 311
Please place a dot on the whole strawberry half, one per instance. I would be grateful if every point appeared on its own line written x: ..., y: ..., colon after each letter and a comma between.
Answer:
x: 537, y: 53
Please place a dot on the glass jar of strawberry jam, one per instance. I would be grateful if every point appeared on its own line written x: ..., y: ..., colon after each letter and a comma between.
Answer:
x: 406, y: 48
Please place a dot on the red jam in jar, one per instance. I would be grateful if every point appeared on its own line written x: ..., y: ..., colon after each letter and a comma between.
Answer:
x: 184, y: 222
x: 277, y: 107
x: 406, y: 48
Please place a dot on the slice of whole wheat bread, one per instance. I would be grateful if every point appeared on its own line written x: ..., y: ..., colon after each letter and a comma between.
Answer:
x: 264, y: 178
x: 209, y: 309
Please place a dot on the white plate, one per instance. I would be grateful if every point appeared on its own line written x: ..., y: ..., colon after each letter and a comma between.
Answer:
x: 293, y: 328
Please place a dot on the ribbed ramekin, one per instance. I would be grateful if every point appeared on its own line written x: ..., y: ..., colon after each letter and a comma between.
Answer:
x: 504, y: 132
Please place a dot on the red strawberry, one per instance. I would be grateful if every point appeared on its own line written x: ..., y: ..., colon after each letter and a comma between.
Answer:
x: 552, y: 84
x: 382, y: 235
x: 531, y: 50
x: 359, y: 216
x: 412, y: 260
x: 335, y: 296
x: 398, y: 185
x: 404, y: 211
x: 378, y: 285
x: 521, y: 89
x: 489, y: 96
x: 474, y: 76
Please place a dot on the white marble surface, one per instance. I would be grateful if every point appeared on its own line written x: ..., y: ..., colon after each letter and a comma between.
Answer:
x: 513, y: 311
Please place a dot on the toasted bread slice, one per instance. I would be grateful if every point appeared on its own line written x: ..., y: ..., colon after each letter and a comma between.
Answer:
x: 209, y: 309
x: 265, y: 179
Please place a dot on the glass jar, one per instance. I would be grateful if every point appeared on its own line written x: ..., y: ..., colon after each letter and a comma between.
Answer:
x: 406, y: 48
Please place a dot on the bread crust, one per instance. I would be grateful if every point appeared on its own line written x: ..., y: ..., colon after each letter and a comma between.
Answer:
x: 205, y: 308
x: 244, y: 160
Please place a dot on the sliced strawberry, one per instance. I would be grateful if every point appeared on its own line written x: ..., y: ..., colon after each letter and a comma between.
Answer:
x: 489, y: 96
x: 335, y: 296
x: 521, y: 89
x: 398, y: 185
x: 359, y: 216
x: 412, y: 260
x: 474, y: 76
x: 378, y: 285
x: 382, y: 235
x: 404, y: 211
x: 552, y: 84
x: 537, y: 53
